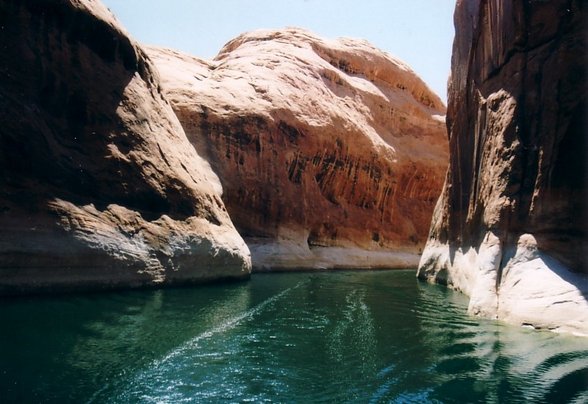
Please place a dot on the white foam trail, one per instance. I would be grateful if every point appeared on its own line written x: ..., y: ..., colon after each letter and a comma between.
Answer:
x: 227, y: 325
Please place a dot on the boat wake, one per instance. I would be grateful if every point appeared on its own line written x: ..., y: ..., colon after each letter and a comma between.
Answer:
x: 161, y: 366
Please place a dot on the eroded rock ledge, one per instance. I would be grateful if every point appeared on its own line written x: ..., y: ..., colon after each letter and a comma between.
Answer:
x: 99, y: 186
x: 510, y: 227
x: 331, y: 152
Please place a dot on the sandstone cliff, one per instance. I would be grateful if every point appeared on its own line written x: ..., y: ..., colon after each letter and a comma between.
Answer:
x: 510, y: 226
x: 331, y: 152
x: 99, y: 186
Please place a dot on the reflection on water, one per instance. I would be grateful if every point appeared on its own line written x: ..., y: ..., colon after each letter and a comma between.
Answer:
x: 327, y: 337
x: 497, y: 362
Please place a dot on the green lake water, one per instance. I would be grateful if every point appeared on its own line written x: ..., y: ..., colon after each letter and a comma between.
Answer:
x: 358, y: 336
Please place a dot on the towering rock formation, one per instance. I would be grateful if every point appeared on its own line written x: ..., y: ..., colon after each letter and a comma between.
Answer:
x: 331, y: 153
x: 510, y: 226
x: 99, y: 186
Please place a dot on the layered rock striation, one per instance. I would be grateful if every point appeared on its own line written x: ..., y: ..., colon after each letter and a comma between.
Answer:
x: 510, y: 226
x: 99, y: 186
x: 331, y: 153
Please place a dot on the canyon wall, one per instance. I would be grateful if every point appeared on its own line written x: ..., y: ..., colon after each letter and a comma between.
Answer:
x: 331, y: 152
x: 99, y: 186
x: 510, y: 226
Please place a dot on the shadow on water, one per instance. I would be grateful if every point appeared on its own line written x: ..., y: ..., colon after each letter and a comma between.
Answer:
x: 326, y: 337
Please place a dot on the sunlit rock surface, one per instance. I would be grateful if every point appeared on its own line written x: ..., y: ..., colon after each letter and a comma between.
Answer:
x: 331, y: 153
x: 99, y: 186
x: 510, y: 226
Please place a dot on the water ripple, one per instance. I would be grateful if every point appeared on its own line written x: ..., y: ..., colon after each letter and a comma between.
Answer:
x: 330, y: 337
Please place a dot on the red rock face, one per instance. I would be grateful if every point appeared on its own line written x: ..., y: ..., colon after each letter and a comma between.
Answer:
x: 99, y: 186
x: 515, y: 195
x: 333, y: 141
x: 517, y: 125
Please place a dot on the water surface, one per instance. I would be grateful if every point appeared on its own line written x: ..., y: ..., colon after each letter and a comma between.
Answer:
x: 307, y: 337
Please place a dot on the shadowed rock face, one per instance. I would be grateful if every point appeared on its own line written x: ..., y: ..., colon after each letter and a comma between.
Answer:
x: 99, y: 186
x: 511, y: 223
x: 319, y: 145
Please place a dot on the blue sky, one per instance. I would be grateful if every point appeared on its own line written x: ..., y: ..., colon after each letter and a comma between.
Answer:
x: 420, y: 32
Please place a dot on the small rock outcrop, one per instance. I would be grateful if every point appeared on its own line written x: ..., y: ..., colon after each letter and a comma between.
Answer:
x: 510, y: 227
x: 99, y: 186
x: 331, y: 153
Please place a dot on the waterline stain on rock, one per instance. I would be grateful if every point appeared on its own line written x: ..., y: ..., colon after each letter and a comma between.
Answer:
x: 325, y: 141
x: 510, y: 227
